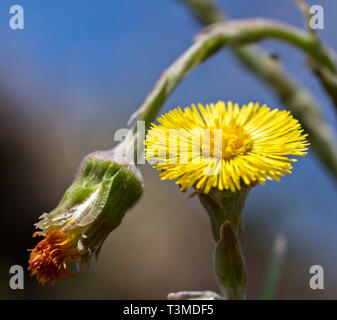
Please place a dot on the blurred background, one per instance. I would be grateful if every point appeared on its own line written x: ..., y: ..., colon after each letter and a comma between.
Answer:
x: 74, y: 75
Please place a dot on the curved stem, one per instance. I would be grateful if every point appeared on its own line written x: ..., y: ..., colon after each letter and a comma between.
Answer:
x: 212, y: 39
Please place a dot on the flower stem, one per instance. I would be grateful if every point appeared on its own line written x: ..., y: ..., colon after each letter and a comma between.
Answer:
x: 225, y: 212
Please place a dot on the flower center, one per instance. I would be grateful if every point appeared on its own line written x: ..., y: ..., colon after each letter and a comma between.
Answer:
x: 229, y: 141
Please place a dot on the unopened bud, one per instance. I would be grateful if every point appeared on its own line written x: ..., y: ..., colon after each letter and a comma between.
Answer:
x: 94, y: 205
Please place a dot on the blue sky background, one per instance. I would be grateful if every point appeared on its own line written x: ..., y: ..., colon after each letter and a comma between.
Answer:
x: 90, y: 63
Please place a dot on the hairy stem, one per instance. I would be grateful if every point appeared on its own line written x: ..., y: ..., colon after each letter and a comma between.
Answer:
x: 225, y: 211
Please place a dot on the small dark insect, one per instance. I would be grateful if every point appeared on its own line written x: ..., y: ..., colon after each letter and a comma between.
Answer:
x: 275, y: 56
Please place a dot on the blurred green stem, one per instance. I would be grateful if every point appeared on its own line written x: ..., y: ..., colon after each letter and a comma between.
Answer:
x: 274, y: 270
x: 327, y: 77
x: 292, y: 95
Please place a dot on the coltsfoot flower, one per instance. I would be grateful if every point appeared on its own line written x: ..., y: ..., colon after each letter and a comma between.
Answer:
x: 222, y: 145
x: 90, y: 209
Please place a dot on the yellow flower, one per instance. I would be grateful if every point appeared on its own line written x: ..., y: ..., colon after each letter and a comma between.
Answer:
x: 222, y: 145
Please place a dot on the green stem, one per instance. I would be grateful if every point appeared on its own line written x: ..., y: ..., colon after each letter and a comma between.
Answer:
x: 327, y: 77
x: 225, y: 211
x: 213, y: 39
x: 274, y: 270
x: 222, y: 206
x: 291, y: 94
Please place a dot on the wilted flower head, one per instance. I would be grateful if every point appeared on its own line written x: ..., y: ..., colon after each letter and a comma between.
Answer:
x: 220, y: 146
x: 90, y: 209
